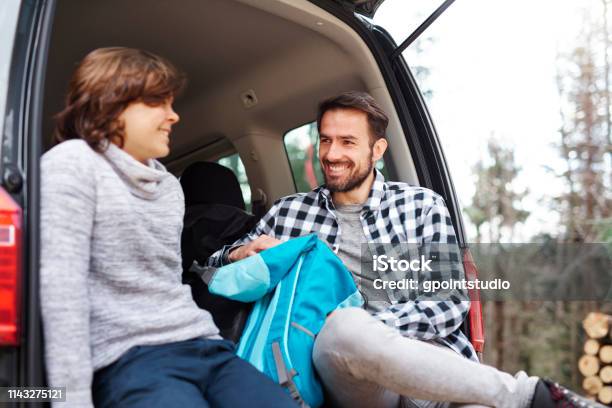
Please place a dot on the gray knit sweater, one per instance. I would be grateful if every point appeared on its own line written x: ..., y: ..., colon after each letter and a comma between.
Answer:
x: 110, y: 263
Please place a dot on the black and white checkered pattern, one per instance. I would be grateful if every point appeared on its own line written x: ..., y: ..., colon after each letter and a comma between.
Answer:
x: 394, y: 213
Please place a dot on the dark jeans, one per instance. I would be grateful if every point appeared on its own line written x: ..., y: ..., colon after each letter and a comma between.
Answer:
x: 192, y: 373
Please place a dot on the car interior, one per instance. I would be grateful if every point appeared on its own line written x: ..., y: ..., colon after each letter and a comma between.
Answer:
x: 255, y: 69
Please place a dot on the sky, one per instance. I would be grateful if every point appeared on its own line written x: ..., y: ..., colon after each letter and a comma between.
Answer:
x: 493, y: 66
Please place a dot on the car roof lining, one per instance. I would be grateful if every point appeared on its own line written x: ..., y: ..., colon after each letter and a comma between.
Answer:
x: 291, y: 53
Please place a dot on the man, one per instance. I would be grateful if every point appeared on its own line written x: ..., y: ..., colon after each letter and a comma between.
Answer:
x: 392, y: 353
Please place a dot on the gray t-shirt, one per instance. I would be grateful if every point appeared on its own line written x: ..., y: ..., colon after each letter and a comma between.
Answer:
x: 350, y: 243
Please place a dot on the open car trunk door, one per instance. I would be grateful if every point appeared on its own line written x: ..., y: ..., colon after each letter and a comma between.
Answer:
x: 368, y: 8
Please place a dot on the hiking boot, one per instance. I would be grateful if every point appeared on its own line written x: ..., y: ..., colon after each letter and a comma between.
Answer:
x: 549, y: 394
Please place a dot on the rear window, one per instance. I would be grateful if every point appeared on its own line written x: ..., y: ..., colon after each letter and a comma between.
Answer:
x: 234, y: 163
x: 302, y: 146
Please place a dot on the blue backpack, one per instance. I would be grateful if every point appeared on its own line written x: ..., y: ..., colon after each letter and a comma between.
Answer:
x: 296, y: 285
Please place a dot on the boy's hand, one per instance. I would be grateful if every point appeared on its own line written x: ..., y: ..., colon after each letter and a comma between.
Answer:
x: 261, y: 243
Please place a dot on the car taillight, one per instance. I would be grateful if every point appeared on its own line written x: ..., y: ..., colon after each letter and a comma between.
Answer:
x: 476, y: 322
x: 10, y: 270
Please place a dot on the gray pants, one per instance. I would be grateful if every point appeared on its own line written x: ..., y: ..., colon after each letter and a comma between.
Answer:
x: 364, y: 363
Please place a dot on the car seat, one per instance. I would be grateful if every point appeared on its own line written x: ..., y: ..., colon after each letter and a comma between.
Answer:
x: 215, y: 216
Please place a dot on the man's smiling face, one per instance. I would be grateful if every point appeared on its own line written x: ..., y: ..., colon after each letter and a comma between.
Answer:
x: 345, y: 149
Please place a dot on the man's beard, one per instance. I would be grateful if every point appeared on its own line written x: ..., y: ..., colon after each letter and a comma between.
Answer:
x: 351, y: 183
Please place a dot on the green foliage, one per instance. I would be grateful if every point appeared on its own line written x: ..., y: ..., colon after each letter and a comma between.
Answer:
x: 234, y: 163
x: 302, y: 149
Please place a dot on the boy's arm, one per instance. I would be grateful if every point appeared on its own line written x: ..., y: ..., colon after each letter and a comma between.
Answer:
x: 67, y: 213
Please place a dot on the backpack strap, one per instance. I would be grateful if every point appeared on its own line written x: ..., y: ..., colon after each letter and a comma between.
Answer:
x: 285, y: 378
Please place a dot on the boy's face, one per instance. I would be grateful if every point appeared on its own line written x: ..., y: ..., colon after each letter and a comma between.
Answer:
x: 147, y: 129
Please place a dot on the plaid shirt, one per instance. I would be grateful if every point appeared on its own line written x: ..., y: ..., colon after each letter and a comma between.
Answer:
x: 393, y: 213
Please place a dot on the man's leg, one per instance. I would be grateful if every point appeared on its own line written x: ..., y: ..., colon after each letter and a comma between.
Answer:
x: 365, y: 363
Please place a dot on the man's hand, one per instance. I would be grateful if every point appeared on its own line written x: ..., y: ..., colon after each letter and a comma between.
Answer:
x: 262, y: 242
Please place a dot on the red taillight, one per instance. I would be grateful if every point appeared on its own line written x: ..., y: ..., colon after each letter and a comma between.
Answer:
x: 10, y: 270
x: 476, y: 322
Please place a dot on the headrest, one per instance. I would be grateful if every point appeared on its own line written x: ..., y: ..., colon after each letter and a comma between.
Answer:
x: 211, y: 183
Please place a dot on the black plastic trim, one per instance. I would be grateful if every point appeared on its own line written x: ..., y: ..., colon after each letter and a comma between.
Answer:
x: 19, y: 165
x: 12, y: 369
x: 33, y: 140
x: 367, y: 8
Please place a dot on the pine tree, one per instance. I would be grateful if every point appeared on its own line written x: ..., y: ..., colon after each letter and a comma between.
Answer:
x: 584, y: 87
x: 496, y: 204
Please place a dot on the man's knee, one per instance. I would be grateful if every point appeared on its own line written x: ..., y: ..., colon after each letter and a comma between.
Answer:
x: 341, y: 336
x: 343, y: 325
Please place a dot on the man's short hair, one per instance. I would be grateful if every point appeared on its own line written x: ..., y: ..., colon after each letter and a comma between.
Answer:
x: 377, y: 119
x: 104, y: 83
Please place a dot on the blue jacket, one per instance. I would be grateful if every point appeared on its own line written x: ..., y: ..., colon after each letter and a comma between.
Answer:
x: 295, y: 286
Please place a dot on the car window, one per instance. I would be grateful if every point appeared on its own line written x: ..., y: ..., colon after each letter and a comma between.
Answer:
x: 302, y: 146
x: 234, y: 163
